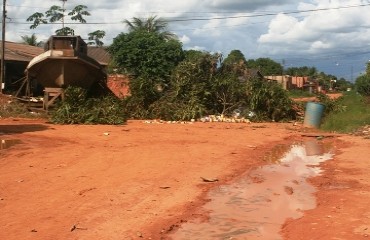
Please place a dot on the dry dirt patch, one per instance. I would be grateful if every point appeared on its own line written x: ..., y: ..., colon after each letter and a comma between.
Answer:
x: 139, y: 181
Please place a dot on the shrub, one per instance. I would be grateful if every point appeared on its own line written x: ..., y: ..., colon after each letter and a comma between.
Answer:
x: 355, y: 112
x: 331, y: 105
x: 363, y: 85
x: 78, y: 108
x: 269, y: 101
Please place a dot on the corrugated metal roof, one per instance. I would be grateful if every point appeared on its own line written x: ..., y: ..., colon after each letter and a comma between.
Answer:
x: 20, y: 52
x: 100, y: 54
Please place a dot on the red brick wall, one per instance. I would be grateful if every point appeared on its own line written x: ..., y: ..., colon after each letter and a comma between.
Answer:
x: 118, y: 84
x: 298, y: 82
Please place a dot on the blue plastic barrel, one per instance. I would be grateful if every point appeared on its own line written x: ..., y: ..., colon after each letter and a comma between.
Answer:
x: 313, y: 114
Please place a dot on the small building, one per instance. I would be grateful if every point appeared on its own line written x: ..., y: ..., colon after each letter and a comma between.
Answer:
x: 100, y: 54
x: 299, y: 82
x: 16, y: 58
x: 285, y: 81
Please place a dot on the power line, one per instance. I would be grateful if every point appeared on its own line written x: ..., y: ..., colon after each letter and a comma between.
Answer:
x: 2, y: 74
x: 271, y: 14
x: 237, y: 17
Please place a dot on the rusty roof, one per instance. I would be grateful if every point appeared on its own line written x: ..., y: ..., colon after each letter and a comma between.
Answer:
x: 100, y: 54
x: 20, y: 52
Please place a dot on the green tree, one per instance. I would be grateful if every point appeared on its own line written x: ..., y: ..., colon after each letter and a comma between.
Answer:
x: 194, y: 55
x: 146, y: 54
x: 78, y: 13
x: 31, y: 40
x: 235, y: 57
x: 234, y: 64
x: 65, y: 31
x: 342, y: 84
x: 95, y: 38
x: 149, y: 59
x: 362, y: 83
x: 152, y: 24
x: 269, y: 101
x: 301, y: 71
x: 188, y: 94
x: 228, y: 93
x: 57, y: 14
x: 325, y: 80
x: 266, y: 66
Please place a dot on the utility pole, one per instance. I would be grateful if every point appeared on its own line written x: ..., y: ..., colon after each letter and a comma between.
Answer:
x: 64, y: 9
x: 2, y: 75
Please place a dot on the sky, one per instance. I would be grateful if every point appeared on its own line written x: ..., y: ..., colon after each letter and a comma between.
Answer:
x: 331, y: 35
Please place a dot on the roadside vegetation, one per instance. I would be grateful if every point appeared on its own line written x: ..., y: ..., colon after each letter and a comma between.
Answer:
x: 354, y: 113
x: 10, y: 107
x: 79, y: 108
x: 170, y: 83
x: 295, y: 93
x: 177, y: 84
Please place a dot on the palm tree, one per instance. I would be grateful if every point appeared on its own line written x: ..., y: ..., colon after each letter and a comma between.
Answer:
x: 151, y: 24
x: 31, y: 40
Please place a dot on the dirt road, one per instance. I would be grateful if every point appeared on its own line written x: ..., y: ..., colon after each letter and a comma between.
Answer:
x: 142, y: 180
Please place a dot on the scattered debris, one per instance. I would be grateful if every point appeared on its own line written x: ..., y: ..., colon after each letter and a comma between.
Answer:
x: 74, y: 227
x: 168, y: 122
x: 262, y: 126
x: 288, y: 190
x: 222, y: 118
x: 209, y: 179
x: 319, y: 135
x: 363, y: 131
x: 82, y: 192
x: 210, y: 118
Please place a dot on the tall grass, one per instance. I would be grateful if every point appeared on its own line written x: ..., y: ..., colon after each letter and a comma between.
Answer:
x: 355, y: 115
x: 11, y: 107
x: 296, y: 93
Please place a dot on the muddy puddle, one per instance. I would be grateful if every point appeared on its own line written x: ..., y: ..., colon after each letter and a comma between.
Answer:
x: 257, y: 205
x: 4, y: 144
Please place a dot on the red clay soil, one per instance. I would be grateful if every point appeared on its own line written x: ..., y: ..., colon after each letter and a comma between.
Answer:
x: 141, y: 181
x: 314, y: 99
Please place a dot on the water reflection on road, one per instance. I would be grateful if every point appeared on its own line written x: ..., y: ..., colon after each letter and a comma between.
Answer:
x: 256, y: 206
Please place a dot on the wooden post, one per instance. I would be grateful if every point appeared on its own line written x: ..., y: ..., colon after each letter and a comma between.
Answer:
x: 50, y: 95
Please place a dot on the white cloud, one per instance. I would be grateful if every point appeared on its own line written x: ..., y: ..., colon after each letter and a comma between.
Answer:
x: 302, y: 35
x: 318, y: 45
x: 242, y: 5
x: 185, y: 39
x: 211, y: 28
x: 321, y: 29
